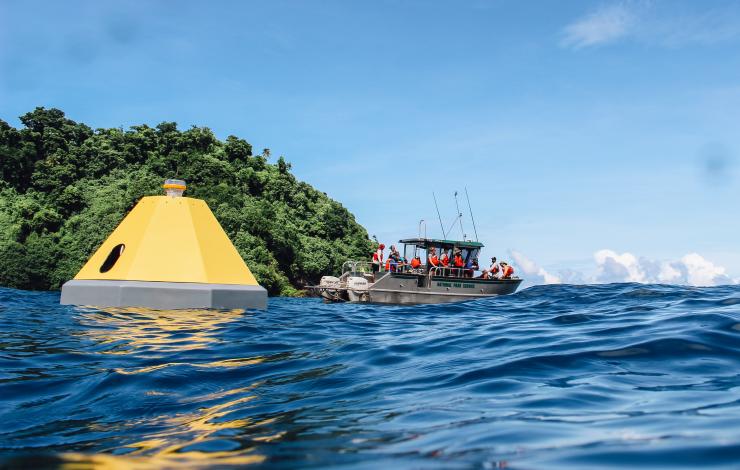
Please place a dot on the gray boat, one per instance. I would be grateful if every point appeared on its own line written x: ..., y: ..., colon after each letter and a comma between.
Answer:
x: 402, y: 284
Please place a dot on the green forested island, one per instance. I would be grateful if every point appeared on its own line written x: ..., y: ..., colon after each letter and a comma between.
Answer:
x: 65, y: 186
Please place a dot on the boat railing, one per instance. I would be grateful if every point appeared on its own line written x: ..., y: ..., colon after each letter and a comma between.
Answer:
x: 449, y: 271
x: 357, y: 267
x: 367, y: 267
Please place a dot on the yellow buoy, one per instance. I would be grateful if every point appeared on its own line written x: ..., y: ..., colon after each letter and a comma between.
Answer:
x: 168, y: 252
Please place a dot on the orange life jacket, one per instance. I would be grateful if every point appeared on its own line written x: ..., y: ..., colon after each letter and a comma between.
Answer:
x: 433, y: 260
x: 495, y: 269
x: 459, y: 263
x: 445, y: 260
x: 508, y: 271
x: 415, y: 263
x: 388, y: 265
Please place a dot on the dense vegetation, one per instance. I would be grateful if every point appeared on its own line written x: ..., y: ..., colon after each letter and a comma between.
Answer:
x: 64, y: 187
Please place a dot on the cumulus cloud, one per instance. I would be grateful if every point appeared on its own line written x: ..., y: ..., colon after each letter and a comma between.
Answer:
x: 613, y: 267
x: 531, y: 271
x: 604, y: 25
x: 610, y: 266
x: 692, y: 269
x: 701, y: 272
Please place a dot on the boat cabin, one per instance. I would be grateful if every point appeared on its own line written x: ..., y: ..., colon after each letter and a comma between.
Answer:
x: 421, y: 247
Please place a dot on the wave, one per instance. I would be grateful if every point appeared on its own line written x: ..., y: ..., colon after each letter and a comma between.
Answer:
x: 553, y: 376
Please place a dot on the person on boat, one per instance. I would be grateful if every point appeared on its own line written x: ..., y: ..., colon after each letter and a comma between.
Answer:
x: 506, y: 270
x: 471, y: 267
x: 444, y: 262
x: 432, y: 259
x: 492, y: 272
x: 378, y: 258
x: 394, y: 259
x: 458, y: 262
x: 416, y: 262
x: 495, y: 269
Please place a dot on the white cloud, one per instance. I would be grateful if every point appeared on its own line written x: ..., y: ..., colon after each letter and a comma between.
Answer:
x: 531, y: 271
x: 610, y: 266
x: 692, y: 269
x: 613, y: 267
x: 602, y: 26
x: 702, y: 272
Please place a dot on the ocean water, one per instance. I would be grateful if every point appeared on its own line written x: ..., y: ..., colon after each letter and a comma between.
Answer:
x: 607, y: 376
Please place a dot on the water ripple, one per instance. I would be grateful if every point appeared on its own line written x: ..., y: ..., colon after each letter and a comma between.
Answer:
x: 552, y: 377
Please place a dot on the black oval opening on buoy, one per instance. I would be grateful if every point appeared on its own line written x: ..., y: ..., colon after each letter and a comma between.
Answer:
x: 113, y: 256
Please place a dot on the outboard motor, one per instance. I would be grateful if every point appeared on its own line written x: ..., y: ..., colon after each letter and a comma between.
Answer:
x: 357, y: 289
x: 330, y: 288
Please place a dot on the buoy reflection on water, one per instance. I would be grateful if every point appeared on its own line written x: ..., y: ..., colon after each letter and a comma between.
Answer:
x: 146, y: 338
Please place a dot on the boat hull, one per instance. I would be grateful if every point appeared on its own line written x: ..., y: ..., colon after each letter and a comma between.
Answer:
x: 410, y: 289
x: 405, y: 289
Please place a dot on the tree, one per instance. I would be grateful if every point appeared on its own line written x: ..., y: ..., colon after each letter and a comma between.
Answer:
x: 64, y: 188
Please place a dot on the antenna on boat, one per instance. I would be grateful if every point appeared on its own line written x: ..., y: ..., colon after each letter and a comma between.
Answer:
x: 444, y: 235
x: 452, y: 225
x: 471, y: 213
x: 416, y: 247
x: 459, y: 216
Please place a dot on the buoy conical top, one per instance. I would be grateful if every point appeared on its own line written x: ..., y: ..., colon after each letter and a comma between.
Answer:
x: 168, y: 252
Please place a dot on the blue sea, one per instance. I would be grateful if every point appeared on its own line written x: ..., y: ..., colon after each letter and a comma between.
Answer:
x: 604, y: 376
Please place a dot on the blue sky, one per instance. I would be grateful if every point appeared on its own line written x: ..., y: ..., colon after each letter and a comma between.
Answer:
x: 598, y: 140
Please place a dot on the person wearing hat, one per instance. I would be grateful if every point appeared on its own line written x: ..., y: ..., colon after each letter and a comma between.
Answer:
x: 506, y: 270
x: 458, y: 262
x: 492, y: 272
x: 378, y: 258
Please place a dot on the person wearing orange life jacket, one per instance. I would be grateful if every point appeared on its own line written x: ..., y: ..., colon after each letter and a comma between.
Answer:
x: 432, y: 260
x: 378, y: 258
x: 416, y: 262
x: 506, y: 270
x: 495, y: 268
x: 492, y: 272
x: 444, y: 262
x: 458, y: 262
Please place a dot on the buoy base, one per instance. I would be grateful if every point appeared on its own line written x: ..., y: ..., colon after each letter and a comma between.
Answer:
x: 162, y: 295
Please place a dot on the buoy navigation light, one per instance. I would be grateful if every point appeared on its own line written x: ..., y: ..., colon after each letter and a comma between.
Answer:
x: 174, y: 188
x: 169, y: 252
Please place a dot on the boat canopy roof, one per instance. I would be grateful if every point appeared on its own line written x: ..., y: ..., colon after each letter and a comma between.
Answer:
x: 428, y: 242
